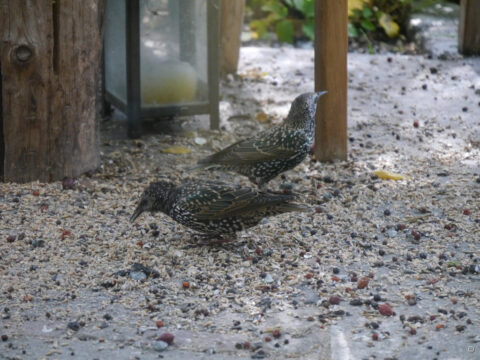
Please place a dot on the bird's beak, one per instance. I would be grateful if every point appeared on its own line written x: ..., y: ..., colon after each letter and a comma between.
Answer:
x: 137, y: 213
x: 319, y: 94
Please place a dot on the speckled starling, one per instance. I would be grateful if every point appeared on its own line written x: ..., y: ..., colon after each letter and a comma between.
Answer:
x: 214, y: 208
x: 275, y: 150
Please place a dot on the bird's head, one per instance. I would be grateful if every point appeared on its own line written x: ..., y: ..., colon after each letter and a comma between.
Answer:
x: 302, y: 111
x: 154, y: 198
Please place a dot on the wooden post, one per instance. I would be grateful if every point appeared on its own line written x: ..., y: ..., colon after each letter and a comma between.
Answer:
x: 232, y: 12
x: 469, y: 27
x: 331, y: 45
x: 50, y: 55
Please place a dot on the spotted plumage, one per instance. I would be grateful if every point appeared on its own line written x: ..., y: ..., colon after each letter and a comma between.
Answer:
x: 214, y: 208
x: 275, y: 150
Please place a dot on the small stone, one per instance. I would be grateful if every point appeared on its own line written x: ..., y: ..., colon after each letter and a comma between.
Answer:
x: 107, y: 317
x: 185, y: 284
x: 363, y: 282
x: 160, y: 345
x: 4, y: 337
x: 268, y: 279
x: 387, y: 212
x: 465, y: 109
x: 466, y: 212
x: 167, y: 337
x: 391, y: 233
x: 356, y: 302
x: 73, y: 325
x: 68, y: 183
x: 336, y: 270
x: 412, y: 331
x: 38, y: 243
x: 267, y: 339
x: 138, y: 275
x: 415, y: 124
x: 334, y: 300
x: 11, y: 238
x: 412, y: 301
x: 460, y: 328
x: 385, y: 309
x: 276, y: 333
x: 375, y: 336
x: 159, y: 323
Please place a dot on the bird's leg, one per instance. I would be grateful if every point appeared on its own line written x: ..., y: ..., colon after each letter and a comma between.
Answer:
x: 206, y: 239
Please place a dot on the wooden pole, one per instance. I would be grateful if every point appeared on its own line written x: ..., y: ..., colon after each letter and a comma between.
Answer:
x: 50, y: 57
x: 469, y: 27
x: 232, y: 12
x: 331, y: 45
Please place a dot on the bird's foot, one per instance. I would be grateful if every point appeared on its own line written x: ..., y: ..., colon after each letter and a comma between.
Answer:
x: 206, y: 239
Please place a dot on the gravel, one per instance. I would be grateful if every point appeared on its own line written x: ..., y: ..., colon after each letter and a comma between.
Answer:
x: 372, y: 251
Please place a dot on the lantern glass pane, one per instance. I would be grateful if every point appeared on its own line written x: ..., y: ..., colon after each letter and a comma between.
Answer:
x: 115, y: 51
x: 173, y: 52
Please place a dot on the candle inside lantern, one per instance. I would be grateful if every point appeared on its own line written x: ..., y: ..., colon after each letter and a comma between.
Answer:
x: 168, y: 82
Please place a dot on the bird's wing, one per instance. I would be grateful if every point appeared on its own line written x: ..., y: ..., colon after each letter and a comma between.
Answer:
x: 220, y: 201
x: 256, y: 149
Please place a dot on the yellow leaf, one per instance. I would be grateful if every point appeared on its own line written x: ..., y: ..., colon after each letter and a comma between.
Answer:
x: 177, y: 150
x: 391, y: 27
x: 356, y: 4
x: 387, y: 175
x: 261, y: 117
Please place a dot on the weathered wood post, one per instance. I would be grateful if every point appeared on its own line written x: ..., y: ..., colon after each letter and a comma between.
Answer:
x: 232, y: 13
x: 331, y: 45
x: 50, y: 54
x: 469, y: 27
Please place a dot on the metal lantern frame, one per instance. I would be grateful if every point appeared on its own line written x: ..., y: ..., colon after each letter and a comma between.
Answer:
x: 133, y: 105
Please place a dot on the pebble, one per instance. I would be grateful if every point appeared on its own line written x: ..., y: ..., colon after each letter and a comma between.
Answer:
x: 160, y: 345
x: 138, y: 275
x: 4, y: 337
x: 392, y: 233
x: 268, y: 279
x: 334, y: 300
x: 385, y: 309
x: 38, y: 243
x: 363, y: 282
x: 356, y: 302
x: 73, y: 325
x: 167, y: 337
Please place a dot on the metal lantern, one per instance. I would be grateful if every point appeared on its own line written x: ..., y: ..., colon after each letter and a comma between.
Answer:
x: 161, y: 58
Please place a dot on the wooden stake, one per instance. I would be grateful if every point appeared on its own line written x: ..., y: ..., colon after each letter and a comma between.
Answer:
x: 50, y: 58
x: 469, y: 27
x: 231, y: 28
x: 331, y: 45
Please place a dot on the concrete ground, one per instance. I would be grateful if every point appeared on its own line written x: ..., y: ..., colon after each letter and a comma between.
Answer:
x: 432, y: 284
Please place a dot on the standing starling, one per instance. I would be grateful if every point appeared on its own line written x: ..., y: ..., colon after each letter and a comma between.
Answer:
x: 274, y: 150
x: 214, y: 208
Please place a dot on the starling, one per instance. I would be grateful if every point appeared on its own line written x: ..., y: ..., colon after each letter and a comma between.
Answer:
x: 275, y: 150
x: 214, y: 208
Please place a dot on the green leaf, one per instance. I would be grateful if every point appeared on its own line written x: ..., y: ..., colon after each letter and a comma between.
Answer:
x: 357, y: 13
x: 367, y: 12
x: 259, y: 27
x: 298, y: 4
x: 352, y: 30
x: 276, y: 8
x: 309, y: 8
x: 284, y: 31
x: 367, y: 25
x: 308, y: 29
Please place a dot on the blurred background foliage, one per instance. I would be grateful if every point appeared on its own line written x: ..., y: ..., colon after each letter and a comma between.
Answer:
x: 292, y: 20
